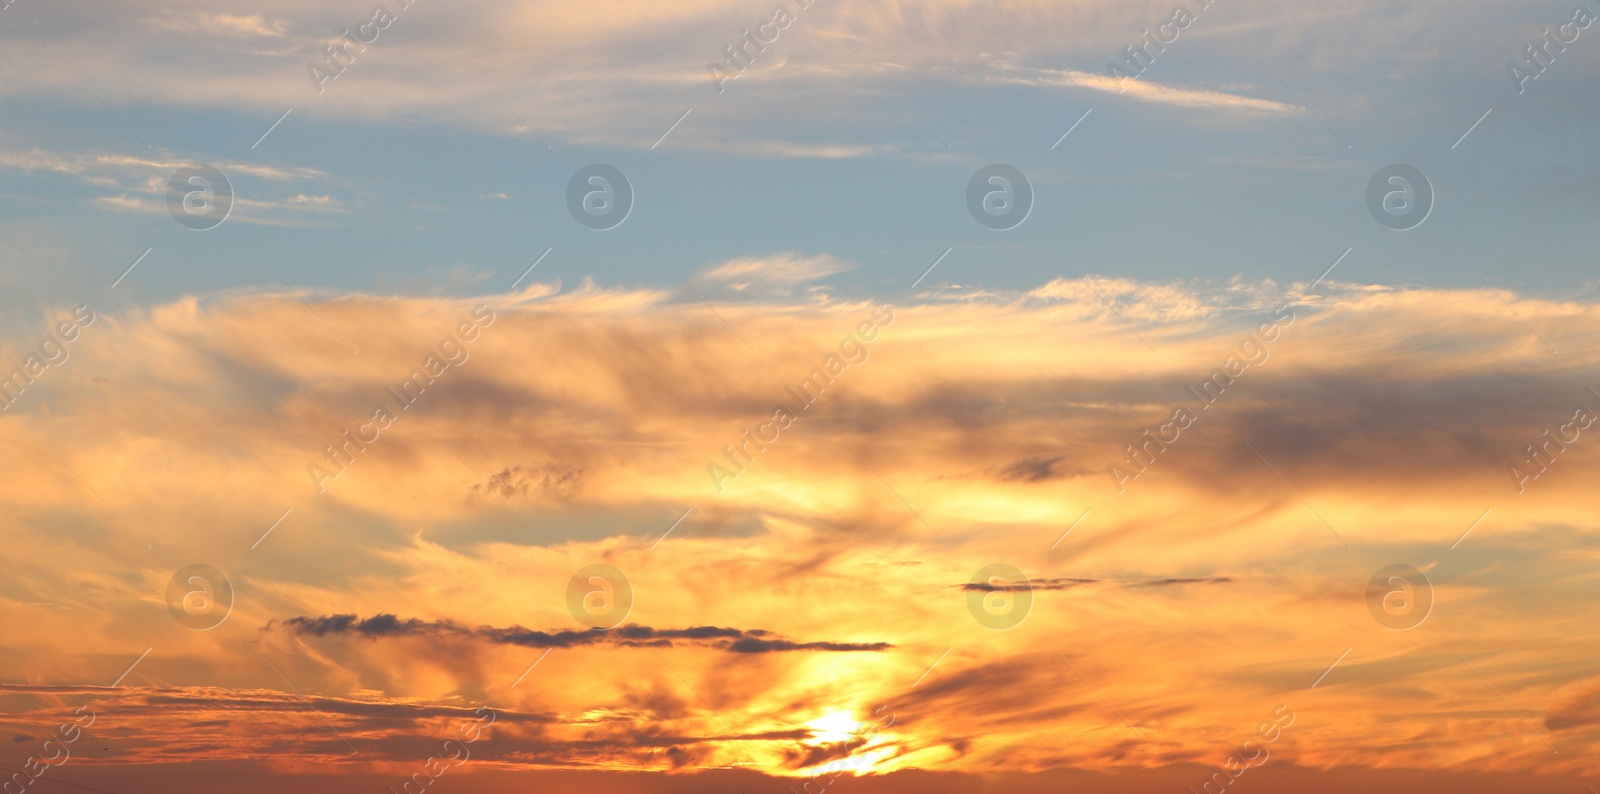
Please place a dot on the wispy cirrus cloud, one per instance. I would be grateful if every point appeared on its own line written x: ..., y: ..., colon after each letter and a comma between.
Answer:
x: 779, y: 271
x: 219, y: 24
x: 129, y: 183
x: 98, y: 165
x: 1147, y: 91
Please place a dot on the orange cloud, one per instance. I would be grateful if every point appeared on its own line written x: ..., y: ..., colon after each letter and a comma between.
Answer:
x: 1163, y: 622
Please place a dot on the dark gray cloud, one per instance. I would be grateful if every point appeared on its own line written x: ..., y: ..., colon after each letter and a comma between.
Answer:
x: 630, y: 636
x: 1039, y: 469
x: 558, y: 480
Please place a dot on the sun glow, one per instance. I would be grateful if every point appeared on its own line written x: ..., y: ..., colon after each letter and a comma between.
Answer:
x: 833, y: 728
x: 864, y: 747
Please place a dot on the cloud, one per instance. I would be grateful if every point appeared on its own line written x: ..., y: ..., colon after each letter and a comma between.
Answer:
x: 1149, y: 91
x: 1036, y: 469
x: 1580, y: 711
x: 1138, y: 300
x: 515, y: 481
x: 214, y: 24
x: 139, y: 184
x: 142, y: 168
x: 1395, y: 414
x: 1171, y: 582
x: 620, y: 75
x: 1047, y: 583
x: 628, y: 636
x: 245, y: 210
x: 766, y: 148
x: 780, y: 271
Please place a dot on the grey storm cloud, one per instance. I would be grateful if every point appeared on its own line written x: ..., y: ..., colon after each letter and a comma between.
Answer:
x: 386, y: 625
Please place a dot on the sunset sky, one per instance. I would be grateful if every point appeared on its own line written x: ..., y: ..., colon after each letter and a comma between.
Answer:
x: 796, y: 459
